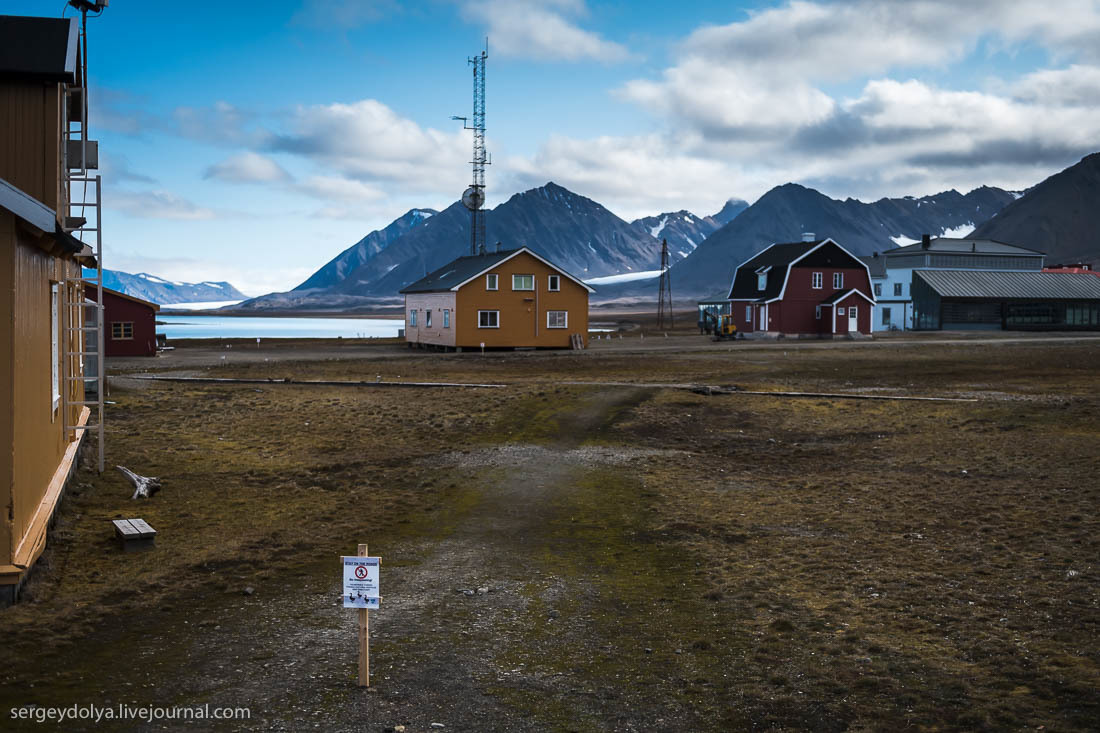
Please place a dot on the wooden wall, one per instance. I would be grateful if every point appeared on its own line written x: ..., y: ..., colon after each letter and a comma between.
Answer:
x: 30, y: 139
x: 37, y: 451
x: 437, y: 334
x: 522, y: 312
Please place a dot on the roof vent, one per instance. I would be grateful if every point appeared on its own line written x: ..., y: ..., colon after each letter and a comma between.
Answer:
x: 807, y: 236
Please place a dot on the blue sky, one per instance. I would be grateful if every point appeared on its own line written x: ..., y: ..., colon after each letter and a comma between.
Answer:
x: 253, y: 141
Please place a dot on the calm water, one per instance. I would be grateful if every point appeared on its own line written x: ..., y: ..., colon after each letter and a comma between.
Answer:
x: 204, y: 327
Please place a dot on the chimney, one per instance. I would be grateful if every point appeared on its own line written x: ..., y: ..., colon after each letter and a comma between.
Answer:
x: 875, y: 254
x: 498, y: 246
x: 925, y: 241
x: 481, y: 249
x: 807, y: 236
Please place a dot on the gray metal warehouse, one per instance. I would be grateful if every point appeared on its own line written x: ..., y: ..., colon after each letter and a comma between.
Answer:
x: 1016, y: 301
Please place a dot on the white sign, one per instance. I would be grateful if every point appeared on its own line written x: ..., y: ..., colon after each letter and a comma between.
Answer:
x: 360, y: 582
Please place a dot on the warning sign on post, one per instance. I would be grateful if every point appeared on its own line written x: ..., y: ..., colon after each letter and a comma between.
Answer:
x: 360, y: 582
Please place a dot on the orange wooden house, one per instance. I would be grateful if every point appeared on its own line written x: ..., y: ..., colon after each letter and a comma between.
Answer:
x: 40, y: 266
x: 505, y: 299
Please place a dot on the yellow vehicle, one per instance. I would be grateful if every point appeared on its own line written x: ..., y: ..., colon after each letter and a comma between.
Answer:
x: 721, y: 326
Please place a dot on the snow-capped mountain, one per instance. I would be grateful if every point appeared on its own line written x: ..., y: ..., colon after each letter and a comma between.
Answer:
x: 685, y: 231
x: 167, y: 292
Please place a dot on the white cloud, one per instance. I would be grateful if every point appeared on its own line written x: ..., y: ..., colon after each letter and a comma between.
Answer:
x: 543, y: 30
x: 157, y: 205
x: 369, y: 142
x: 247, y: 167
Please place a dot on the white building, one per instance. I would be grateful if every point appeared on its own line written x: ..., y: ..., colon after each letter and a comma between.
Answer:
x: 892, y: 271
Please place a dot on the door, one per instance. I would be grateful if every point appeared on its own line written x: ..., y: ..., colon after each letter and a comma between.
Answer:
x: 853, y: 319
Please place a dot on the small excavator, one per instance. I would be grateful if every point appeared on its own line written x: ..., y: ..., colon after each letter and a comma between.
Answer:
x: 721, y: 326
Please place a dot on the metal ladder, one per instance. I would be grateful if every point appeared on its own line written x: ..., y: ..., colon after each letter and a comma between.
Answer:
x: 82, y: 318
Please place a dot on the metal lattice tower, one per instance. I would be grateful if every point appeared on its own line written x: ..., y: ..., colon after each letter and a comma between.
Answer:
x: 664, y: 301
x: 474, y: 197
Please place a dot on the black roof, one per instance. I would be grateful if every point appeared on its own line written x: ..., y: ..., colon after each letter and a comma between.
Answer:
x: 777, y: 257
x: 38, y: 49
x: 875, y: 264
x: 457, y: 272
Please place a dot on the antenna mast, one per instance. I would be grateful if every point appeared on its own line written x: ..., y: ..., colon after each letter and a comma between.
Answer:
x: 474, y: 196
x: 664, y: 301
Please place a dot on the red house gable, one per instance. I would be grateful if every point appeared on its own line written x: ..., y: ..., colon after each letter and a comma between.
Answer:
x: 797, y: 288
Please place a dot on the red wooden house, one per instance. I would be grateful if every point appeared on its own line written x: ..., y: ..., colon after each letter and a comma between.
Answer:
x: 130, y: 324
x: 813, y: 287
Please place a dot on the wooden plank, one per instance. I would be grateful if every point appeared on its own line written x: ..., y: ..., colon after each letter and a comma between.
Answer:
x: 125, y: 530
x: 364, y: 638
x: 143, y: 527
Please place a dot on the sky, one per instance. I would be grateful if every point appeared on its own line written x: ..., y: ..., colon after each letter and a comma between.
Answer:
x: 253, y: 141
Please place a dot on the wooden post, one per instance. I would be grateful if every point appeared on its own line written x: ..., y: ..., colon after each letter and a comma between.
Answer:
x: 364, y: 639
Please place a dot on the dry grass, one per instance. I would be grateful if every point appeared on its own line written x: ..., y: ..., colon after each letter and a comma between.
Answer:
x: 791, y: 564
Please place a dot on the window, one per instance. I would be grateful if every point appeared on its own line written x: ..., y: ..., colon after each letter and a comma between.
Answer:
x: 817, y: 312
x: 815, y: 280
x: 523, y: 282
x: 428, y: 318
x: 748, y: 313
x: 488, y: 319
x: 878, y: 290
x: 840, y: 311
x: 553, y: 283
x: 557, y: 319
x: 412, y: 318
x: 761, y: 280
x: 122, y: 330
x: 897, y: 288
x: 55, y: 335
x: 491, y: 282
x: 886, y: 316
x: 838, y: 280
x: 446, y: 318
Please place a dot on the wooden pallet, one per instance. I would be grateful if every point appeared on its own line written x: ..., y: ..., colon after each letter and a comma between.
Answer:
x: 134, y: 534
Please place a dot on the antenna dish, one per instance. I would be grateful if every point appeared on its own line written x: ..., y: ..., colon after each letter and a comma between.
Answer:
x: 472, y: 198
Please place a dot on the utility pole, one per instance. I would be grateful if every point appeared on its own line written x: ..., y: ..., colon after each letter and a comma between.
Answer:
x: 664, y: 300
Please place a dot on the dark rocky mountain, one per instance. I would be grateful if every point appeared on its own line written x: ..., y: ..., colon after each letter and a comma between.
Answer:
x: 340, y: 266
x: 785, y: 212
x: 683, y: 230
x: 168, y: 292
x: 730, y: 211
x: 1060, y: 216
x: 572, y: 231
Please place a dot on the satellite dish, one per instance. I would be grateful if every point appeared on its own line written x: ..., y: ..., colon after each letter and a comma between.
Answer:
x: 472, y: 198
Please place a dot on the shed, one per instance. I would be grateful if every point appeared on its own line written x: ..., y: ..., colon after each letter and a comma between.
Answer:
x: 1028, y: 301
x: 129, y: 323
x: 506, y: 299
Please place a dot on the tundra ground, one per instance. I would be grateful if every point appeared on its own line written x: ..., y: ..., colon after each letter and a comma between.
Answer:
x: 639, y: 557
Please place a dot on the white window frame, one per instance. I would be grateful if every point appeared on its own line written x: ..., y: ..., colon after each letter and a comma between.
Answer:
x: 838, y: 280
x: 817, y: 312
x: 55, y: 346
x: 878, y: 290
x: 492, y: 281
x: 565, y: 324
x: 427, y: 318
x: 516, y: 277
x: 897, y: 289
x: 446, y: 318
x: 748, y: 314
x: 553, y: 283
x: 494, y: 313
x: 412, y: 318
x: 886, y: 316
x: 840, y: 311
x: 817, y: 281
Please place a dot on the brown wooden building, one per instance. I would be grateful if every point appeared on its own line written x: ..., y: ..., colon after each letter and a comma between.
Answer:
x: 129, y: 323
x: 40, y: 267
x: 507, y: 299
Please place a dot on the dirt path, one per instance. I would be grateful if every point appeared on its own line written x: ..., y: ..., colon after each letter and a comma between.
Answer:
x: 469, y: 615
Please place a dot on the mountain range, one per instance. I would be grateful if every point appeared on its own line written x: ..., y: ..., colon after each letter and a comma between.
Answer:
x: 168, y: 292
x: 1057, y: 216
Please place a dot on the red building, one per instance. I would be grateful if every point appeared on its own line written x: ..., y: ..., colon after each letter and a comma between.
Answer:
x: 813, y: 287
x: 130, y: 324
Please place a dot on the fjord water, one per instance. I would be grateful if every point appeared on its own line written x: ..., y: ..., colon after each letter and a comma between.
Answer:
x: 204, y: 327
